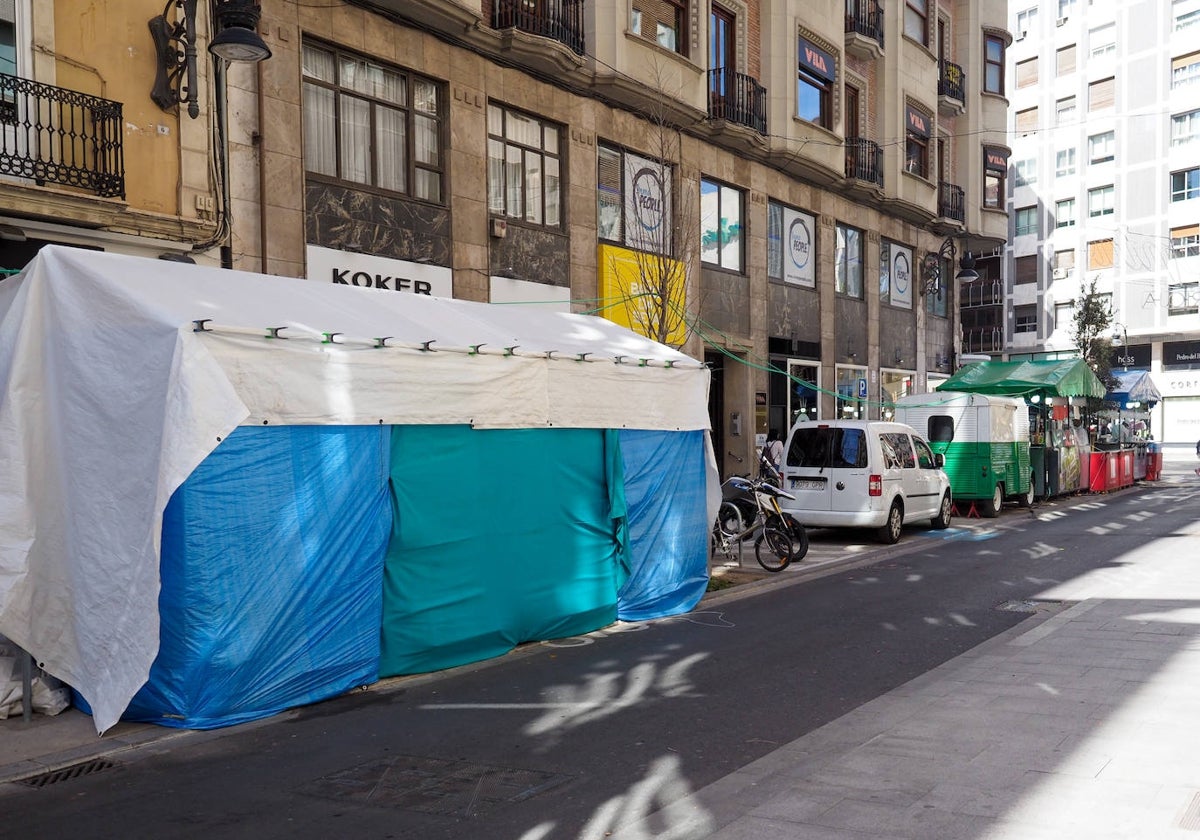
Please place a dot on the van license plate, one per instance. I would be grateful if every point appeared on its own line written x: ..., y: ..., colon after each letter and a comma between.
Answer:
x: 808, y: 484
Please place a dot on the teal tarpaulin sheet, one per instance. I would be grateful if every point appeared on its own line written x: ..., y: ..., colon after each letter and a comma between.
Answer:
x: 667, y: 516
x: 272, y: 559
x: 500, y: 536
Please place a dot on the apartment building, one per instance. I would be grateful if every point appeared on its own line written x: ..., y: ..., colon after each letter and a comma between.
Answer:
x: 1106, y: 187
x: 798, y: 179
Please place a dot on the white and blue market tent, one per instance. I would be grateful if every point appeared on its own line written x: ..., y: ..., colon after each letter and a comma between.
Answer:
x: 225, y: 494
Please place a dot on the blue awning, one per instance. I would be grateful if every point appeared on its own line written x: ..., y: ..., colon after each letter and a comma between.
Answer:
x: 1134, y: 386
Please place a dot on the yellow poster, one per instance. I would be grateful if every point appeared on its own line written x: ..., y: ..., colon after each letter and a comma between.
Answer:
x: 644, y: 292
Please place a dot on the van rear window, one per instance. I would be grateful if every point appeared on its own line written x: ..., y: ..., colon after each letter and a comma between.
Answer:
x: 828, y: 447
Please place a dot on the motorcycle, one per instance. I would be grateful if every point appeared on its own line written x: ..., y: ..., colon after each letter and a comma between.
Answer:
x: 750, y: 507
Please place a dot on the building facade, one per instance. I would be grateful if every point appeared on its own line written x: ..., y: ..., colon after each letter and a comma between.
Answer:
x: 1105, y: 188
x: 788, y: 183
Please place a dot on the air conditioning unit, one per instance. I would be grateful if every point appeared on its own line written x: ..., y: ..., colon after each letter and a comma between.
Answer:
x: 499, y: 228
x: 1061, y: 21
x: 1020, y: 35
x: 1060, y: 274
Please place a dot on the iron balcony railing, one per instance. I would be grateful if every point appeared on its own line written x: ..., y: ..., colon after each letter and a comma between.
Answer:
x: 53, y: 135
x: 983, y: 340
x: 561, y: 20
x: 981, y: 293
x: 864, y: 160
x: 951, y: 202
x: 952, y: 81
x: 866, y: 18
x: 737, y: 98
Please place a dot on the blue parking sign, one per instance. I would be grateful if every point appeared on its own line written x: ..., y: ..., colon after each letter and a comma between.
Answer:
x: 862, y: 389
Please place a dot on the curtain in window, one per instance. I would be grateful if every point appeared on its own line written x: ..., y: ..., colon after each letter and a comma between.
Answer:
x: 320, y: 138
x: 391, y: 142
x: 354, y: 130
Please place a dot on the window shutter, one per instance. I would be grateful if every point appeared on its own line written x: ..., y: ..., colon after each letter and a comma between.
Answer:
x: 1102, y: 94
x: 1026, y: 270
x: 1027, y: 72
x: 1185, y: 61
x: 1185, y: 232
x: 1066, y: 60
x: 1100, y: 254
x: 1027, y: 120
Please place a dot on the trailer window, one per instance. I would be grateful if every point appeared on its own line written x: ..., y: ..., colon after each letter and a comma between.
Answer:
x: 941, y: 429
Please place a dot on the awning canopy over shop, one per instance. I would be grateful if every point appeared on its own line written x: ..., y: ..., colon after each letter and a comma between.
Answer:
x: 1062, y: 378
x: 1134, y: 386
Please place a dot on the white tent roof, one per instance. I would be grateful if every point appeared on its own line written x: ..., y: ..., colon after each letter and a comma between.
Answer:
x: 118, y: 375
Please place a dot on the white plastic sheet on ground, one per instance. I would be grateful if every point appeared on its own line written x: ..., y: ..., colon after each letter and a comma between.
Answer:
x: 109, y: 398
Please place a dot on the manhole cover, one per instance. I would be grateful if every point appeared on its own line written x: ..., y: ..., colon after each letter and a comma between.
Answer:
x: 435, y: 785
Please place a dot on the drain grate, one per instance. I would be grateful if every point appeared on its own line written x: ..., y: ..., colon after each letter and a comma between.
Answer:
x: 63, y: 774
x: 1190, y: 819
x: 435, y: 785
x: 1021, y: 606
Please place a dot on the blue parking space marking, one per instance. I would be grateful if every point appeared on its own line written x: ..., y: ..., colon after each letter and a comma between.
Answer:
x: 961, y: 534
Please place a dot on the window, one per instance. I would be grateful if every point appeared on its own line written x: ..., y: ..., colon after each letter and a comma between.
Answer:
x: 1025, y: 318
x: 935, y: 304
x: 1185, y: 242
x: 816, y: 73
x: 1026, y: 20
x: 1025, y: 270
x: 1066, y: 60
x: 1103, y: 40
x: 1183, y: 298
x: 1064, y: 261
x: 1027, y: 120
x: 1064, y: 162
x: 939, y: 428
x: 916, y: 20
x: 1185, y: 184
x: 1065, y: 7
x: 1026, y: 221
x: 1100, y: 201
x: 1185, y: 70
x: 1027, y: 72
x: 916, y: 142
x: 1186, y: 14
x: 993, y: 64
x: 791, y: 245
x: 1185, y: 128
x: 524, y: 180
x: 849, y: 405
x: 1100, y: 254
x: 1102, y: 94
x: 633, y: 200
x: 995, y: 168
x: 721, y: 225
x: 848, y: 262
x: 1101, y: 146
x: 1064, y: 316
x: 1026, y: 171
x: 1064, y: 111
x: 371, y: 124
x: 1064, y: 213
x: 662, y: 21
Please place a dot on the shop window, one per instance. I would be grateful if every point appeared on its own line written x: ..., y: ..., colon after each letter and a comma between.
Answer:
x: 633, y: 200
x: 721, y: 208
x: 848, y: 262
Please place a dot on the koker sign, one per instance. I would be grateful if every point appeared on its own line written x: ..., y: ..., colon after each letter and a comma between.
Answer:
x: 369, y: 272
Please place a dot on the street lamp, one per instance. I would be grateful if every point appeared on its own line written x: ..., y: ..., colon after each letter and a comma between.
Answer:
x: 1120, y: 338
x: 931, y: 267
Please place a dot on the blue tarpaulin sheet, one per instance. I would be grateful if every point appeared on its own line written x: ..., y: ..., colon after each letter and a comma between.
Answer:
x: 272, y: 557
x: 667, y: 523
x: 500, y: 536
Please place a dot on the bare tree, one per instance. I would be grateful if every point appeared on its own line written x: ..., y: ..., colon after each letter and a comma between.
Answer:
x: 659, y: 214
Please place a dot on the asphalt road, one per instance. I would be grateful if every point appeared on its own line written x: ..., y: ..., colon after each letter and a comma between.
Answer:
x: 569, y: 739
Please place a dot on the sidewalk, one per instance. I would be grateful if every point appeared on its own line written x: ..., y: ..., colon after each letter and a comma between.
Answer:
x: 1083, y: 722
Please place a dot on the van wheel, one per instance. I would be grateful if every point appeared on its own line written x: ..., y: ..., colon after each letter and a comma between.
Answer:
x: 890, y: 532
x: 1026, y: 499
x: 990, y: 508
x: 942, y: 521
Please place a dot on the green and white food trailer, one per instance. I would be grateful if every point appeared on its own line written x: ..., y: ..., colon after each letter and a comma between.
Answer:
x: 985, y: 442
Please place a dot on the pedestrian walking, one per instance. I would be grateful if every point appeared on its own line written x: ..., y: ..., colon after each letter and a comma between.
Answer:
x: 773, y: 454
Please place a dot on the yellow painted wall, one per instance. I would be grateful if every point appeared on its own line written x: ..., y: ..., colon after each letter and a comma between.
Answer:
x: 103, y: 48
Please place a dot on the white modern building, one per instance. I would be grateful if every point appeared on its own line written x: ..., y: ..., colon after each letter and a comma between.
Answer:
x: 1105, y: 186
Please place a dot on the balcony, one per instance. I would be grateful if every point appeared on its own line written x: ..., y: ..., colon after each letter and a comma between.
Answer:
x: 952, y: 209
x: 981, y: 293
x: 559, y: 20
x: 952, y: 86
x: 864, y: 161
x: 864, y: 29
x: 51, y: 135
x: 737, y: 98
x: 983, y: 340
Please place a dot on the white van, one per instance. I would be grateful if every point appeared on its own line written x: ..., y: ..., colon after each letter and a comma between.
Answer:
x: 864, y: 474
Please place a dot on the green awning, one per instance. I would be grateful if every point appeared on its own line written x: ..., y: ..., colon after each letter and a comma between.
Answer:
x: 1063, y: 378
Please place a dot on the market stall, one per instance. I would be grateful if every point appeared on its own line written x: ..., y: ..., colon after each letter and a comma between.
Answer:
x: 1127, y: 424
x: 1059, y: 448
